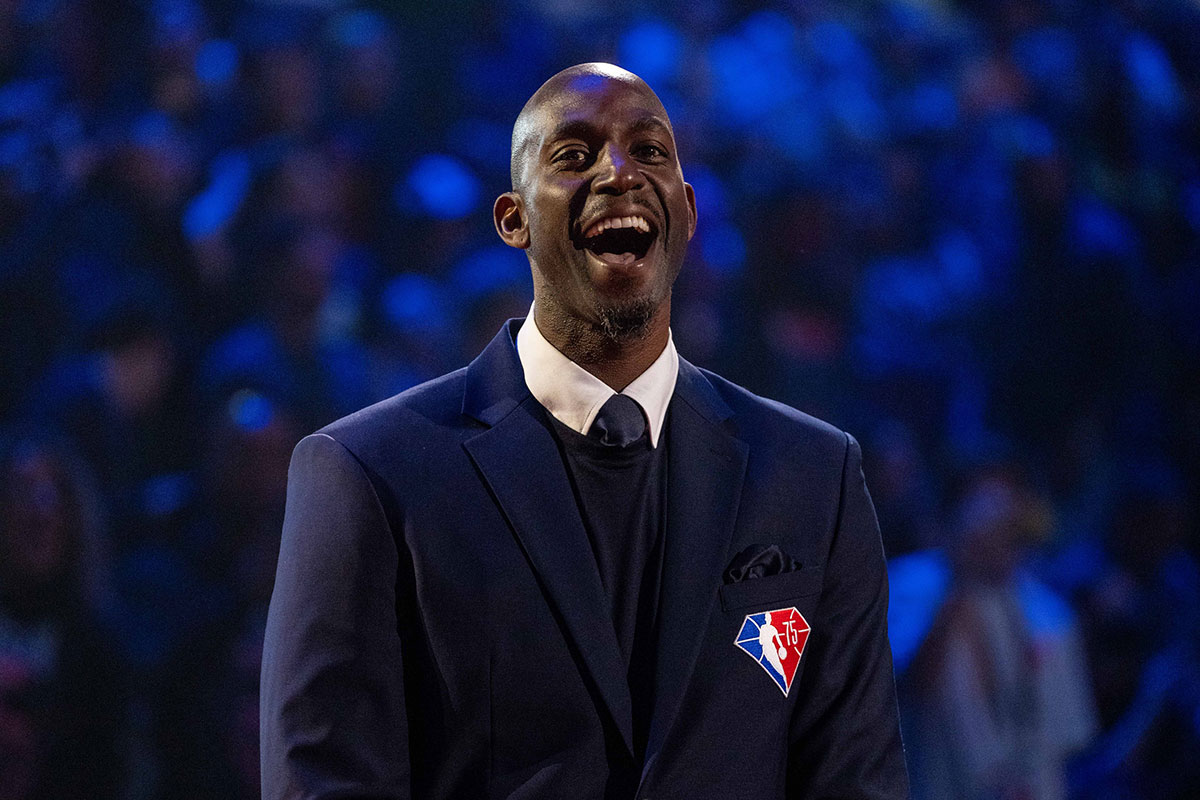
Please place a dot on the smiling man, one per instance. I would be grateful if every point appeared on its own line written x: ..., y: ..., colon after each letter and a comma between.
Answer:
x: 581, y: 566
x: 600, y: 205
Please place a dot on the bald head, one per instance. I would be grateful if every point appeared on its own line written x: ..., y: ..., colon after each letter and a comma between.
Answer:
x: 581, y: 78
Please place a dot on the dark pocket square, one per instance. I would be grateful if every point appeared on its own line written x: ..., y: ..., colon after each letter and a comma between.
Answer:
x: 759, y: 561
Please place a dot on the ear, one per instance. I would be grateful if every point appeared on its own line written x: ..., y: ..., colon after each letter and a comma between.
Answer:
x: 508, y: 214
x: 691, y: 201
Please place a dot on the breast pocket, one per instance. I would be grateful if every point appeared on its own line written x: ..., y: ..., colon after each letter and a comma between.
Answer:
x: 772, y: 589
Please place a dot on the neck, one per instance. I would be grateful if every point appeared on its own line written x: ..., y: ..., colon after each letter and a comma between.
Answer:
x: 615, y: 361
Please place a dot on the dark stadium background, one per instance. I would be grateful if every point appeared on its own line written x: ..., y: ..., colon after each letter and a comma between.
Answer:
x: 967, y: 232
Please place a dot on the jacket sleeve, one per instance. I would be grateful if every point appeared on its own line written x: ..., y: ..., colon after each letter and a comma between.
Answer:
x: 845, y: 737
x: 333, y: 720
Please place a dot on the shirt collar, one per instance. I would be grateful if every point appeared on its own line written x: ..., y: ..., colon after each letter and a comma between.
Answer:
x: 573, y: 395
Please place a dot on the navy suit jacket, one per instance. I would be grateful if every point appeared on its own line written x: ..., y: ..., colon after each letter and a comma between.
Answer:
x: 438, y: 627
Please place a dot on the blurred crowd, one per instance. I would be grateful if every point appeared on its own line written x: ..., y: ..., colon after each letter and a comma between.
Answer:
x: 968, y: 232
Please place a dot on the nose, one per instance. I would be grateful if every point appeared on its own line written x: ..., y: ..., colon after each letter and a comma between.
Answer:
x: 617, y: 173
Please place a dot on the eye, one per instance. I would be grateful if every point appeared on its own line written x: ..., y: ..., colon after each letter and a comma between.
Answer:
x: 571, y: 155
x: 650, y: 152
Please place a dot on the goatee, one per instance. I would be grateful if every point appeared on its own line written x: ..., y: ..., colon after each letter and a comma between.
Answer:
x: 629, y: 321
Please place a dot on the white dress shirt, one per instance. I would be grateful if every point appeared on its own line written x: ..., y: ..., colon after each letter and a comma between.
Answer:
x: 574, y: 396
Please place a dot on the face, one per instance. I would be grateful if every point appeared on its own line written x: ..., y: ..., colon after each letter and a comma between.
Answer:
x: 600, y: 205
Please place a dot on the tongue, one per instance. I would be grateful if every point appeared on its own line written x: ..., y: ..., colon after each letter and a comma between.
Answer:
x: 617, y: 258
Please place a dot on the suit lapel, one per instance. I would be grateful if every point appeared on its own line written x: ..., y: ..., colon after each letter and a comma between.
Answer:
x: 706, y: 467
x: 520, y: 462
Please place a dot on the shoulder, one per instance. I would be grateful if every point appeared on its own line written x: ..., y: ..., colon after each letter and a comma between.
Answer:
x: 762, y: 422
x: 415, y: 418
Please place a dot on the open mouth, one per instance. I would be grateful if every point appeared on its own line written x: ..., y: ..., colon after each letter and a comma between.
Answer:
x: 620, y: 240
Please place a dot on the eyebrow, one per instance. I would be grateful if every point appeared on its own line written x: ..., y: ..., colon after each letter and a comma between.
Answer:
x: 647, y: 123
x: 584, y: 129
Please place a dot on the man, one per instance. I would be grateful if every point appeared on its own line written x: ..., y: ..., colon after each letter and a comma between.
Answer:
x: 514, y: 581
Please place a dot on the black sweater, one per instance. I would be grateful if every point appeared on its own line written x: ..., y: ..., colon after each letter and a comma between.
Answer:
x: 621, y: 495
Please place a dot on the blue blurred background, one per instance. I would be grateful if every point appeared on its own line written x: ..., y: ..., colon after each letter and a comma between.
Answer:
x: 968, y: 232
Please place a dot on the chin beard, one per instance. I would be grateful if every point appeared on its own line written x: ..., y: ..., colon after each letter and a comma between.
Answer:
x: 628, y: 321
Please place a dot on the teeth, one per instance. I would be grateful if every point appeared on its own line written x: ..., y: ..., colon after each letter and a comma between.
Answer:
x: 636, y: 221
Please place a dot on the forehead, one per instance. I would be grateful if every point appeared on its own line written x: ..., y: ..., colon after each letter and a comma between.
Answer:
x: 598, y: 101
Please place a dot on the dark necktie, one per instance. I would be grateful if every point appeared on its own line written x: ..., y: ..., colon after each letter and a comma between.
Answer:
x: 619, y: 423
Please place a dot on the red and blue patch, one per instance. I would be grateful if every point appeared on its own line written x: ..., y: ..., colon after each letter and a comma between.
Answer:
x: 775, y: 639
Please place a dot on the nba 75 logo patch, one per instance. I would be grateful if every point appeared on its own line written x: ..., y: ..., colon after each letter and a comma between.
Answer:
x: 775, y: 639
